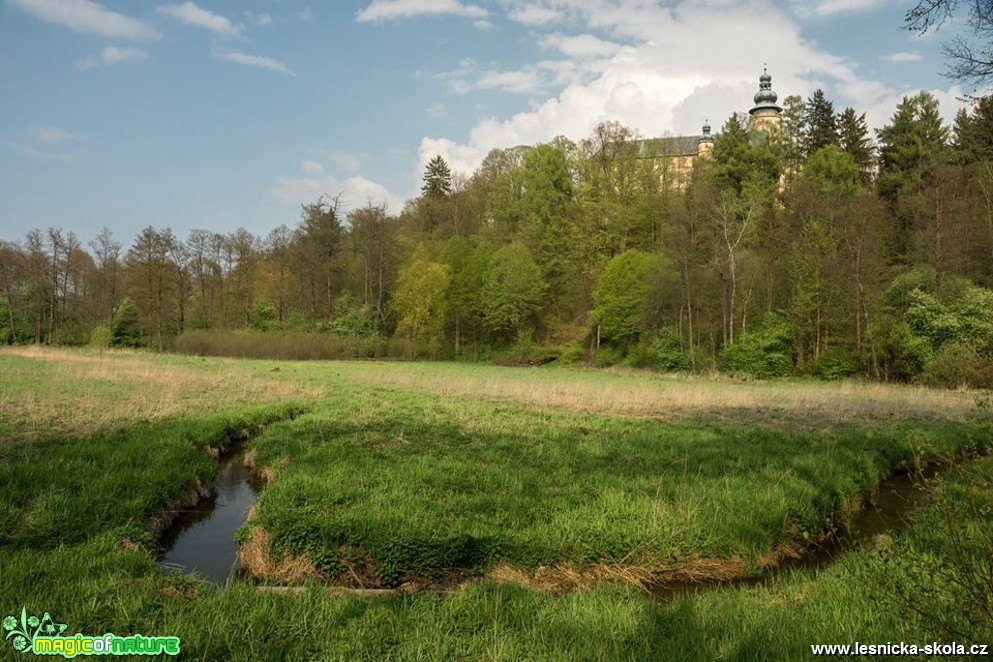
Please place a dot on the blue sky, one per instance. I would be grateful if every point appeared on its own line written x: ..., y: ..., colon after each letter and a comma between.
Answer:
x: 219, y: 114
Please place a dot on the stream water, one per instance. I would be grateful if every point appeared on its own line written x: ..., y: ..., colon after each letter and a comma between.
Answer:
x: 202, y: 538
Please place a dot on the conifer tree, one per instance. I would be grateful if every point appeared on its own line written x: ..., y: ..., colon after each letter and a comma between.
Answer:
x: 853, y: 137
x: 819, y: 120
x: 437, y: 179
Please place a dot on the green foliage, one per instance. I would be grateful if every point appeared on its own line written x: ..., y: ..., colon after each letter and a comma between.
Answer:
x: 101, y: 337
x: 264, y: 316
x: 834, y: 170
x: 608, y: 355
x: 954, y: 364
x: 835, y: 363
x: 966, y: 319
x: 766, y: 351
x: 298, y: 345
x: 350, y: 318
x: 514, y: 291
x: 854, y: 138
x: 621, y: 295
x: 437, y: 178
x: 419, y: 299
x: 125, y: 325
x: 820, y: 123
x: 573, y: 354
x: 668, y: 352
x: 904, y: 353
x: 910, y: 144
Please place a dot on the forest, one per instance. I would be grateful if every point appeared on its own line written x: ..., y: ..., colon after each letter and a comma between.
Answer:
x: 816, y: 248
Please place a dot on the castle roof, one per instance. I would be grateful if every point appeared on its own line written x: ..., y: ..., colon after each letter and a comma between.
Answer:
x: 765, y: 97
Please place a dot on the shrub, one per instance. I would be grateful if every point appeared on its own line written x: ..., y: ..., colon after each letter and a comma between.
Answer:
x: 763, y: 352
x: 639, y: 356
x: 835, y: 363
x: 125, y: 325
x: 264, y: 316
x: 101, y: 337
x: 667, y: 352
x: 955, y: 364
x: 607, y: 355
x: 573, y: 354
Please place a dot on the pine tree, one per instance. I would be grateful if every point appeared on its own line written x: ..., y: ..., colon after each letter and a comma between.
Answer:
x: 853, y: 137
x: 910, y: 144
x: 437, y: 179
x: 819, y: 120
x: 973, y: 132
x: 792, y: 131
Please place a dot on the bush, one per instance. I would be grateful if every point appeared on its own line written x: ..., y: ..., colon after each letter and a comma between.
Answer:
x: 957, y: 364
x: 607, y: 355
x: 101, y: 337
x: 904, y: 353
x: 264, y: 317
x: 639, y: 356
x: 125, y: 325
x: 667, y: 352
x: 835, y: 363
x: 763, y: 352
x: 573, y: 354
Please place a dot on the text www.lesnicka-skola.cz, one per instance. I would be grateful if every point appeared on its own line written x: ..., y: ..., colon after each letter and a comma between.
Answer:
x: 901, y: 648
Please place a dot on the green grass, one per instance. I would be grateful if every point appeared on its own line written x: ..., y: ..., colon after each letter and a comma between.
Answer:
x: 385, y: 476
x: 414, y: 489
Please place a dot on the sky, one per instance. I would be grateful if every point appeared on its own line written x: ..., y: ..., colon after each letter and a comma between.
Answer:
x: 220, y: 114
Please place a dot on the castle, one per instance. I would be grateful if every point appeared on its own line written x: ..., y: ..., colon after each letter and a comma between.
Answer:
x: 680, y: 151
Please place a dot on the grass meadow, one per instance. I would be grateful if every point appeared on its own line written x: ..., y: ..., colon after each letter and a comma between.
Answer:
x: 510, y: 513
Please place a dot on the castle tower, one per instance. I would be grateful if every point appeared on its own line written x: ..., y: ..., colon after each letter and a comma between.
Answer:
x: 705, y: 142
x: 766, y: 114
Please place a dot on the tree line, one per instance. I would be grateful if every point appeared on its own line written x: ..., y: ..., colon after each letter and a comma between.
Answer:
x: 814, y: 247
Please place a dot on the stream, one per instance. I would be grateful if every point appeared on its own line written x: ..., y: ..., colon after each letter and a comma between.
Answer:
x: 202, y: 538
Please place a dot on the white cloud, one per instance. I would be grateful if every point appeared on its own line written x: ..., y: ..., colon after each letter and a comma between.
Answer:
x: 483, y: 24
x: 355, y: 191
x: 255, y: 61
x: 531, y: 14
x: 312, y: 167
x: 580, y: 46
x: 897, y: 58
x: 436, y: 111
x: 386, y: 10
x: 41, y: 155
x: 657, y: 68
x: 829, y: 7
x: 87, y: 17
x: 305, y: 14
x: 515, y: 82
x: 52, y: 135
x: 261, y: 19
x: 111, y: 55
x: 343, y: 162
x: 190, y: 14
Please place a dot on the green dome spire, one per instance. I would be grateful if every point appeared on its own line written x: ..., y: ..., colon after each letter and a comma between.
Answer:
x: 765, y: 97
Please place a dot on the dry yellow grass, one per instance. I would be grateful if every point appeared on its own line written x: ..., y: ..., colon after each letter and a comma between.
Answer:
x: 83, y: 391
x: 644, y: 395
x: 256, y: 557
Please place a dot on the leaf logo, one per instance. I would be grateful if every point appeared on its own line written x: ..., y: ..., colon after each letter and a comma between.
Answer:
x: 24, y: 631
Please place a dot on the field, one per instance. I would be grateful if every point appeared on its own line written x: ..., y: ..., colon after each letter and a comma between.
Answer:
x: 446, y: 511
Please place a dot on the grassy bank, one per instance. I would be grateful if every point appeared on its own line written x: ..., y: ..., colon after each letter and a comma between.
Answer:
x: 438, y: 473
